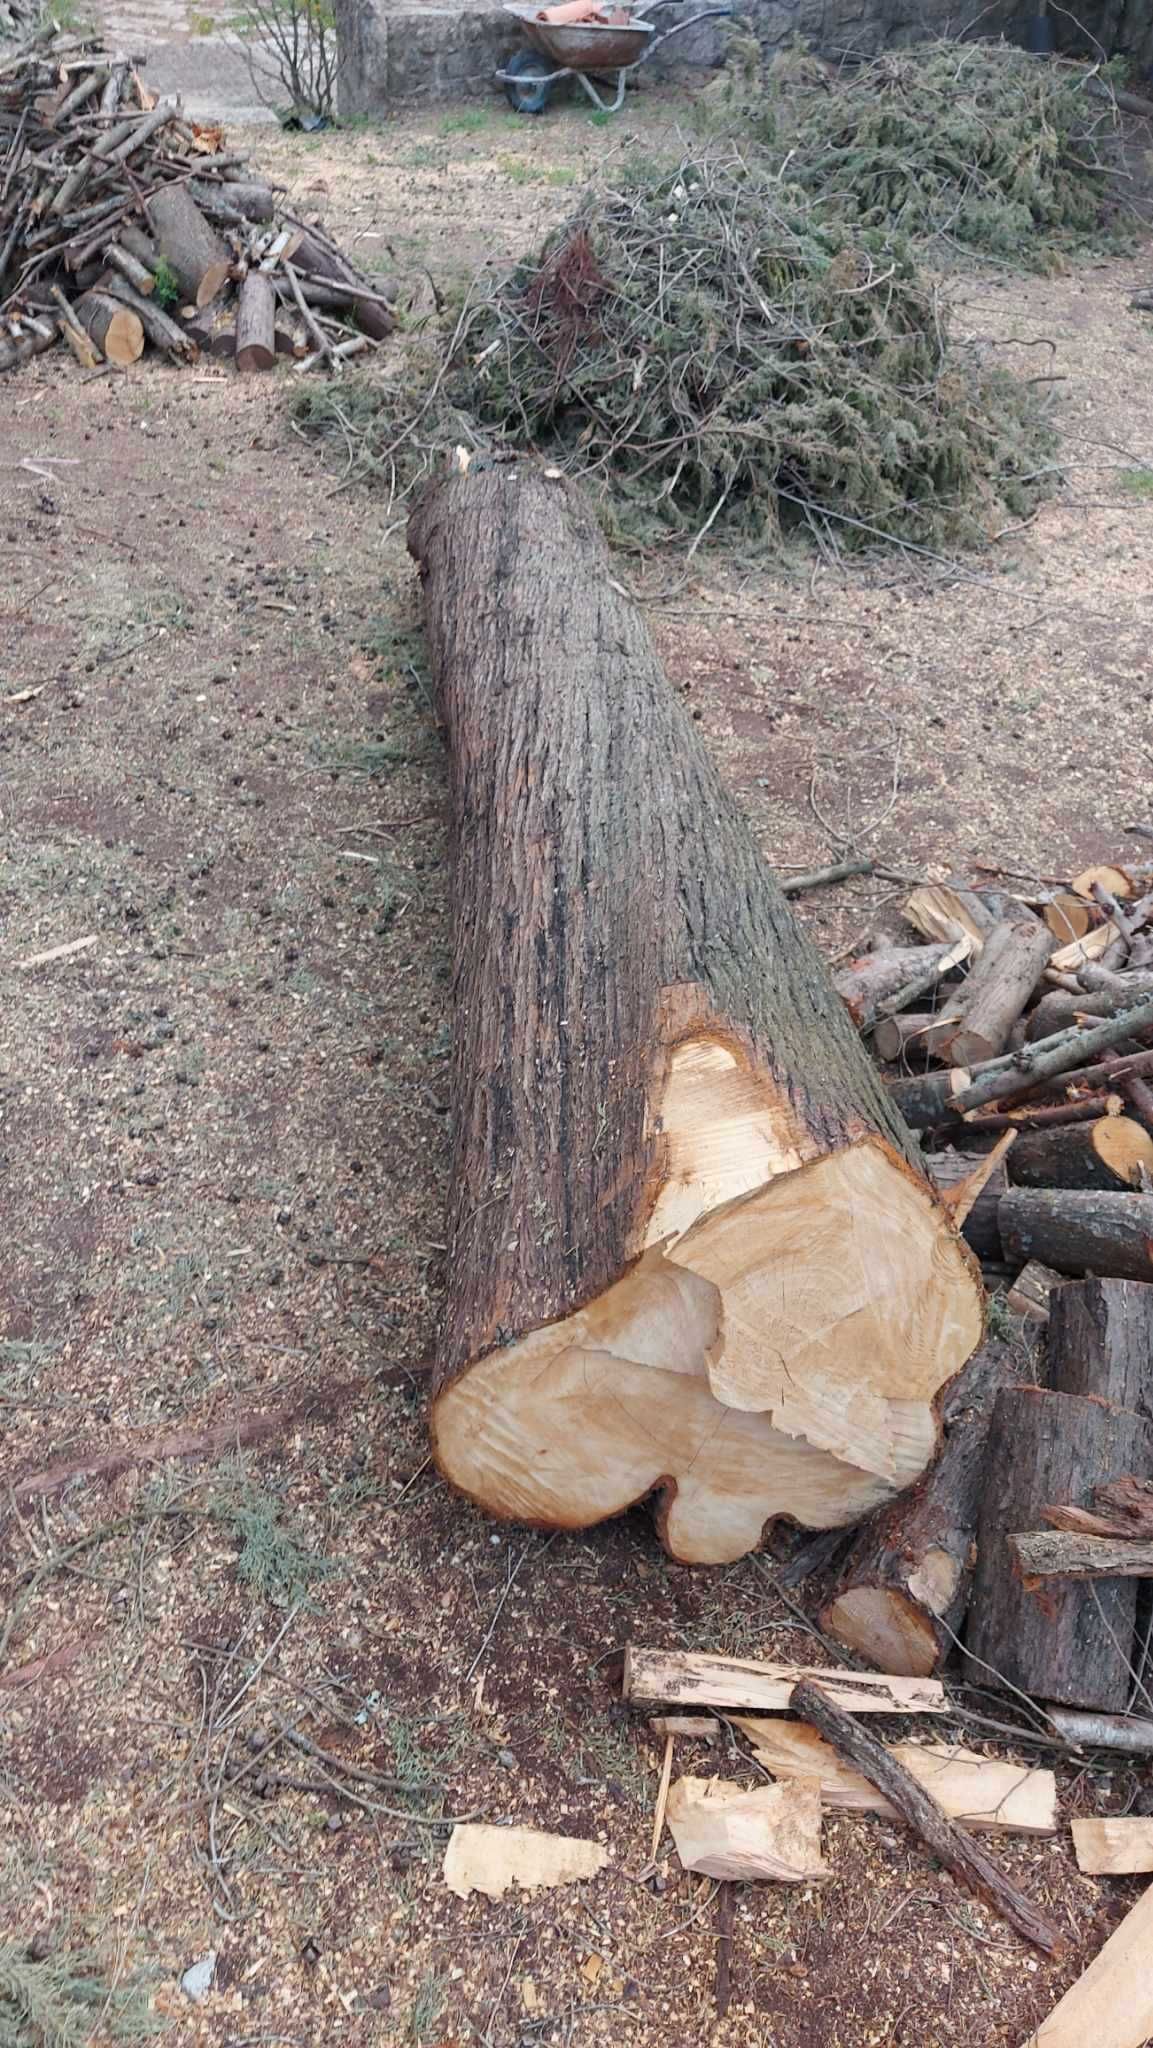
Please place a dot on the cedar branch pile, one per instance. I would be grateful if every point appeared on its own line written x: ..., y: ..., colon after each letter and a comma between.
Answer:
x: 122, y: 222
x: 716, y: 356
x: 975, y: 148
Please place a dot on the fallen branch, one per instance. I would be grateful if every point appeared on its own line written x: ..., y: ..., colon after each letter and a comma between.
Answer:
x: 1058, y: 1553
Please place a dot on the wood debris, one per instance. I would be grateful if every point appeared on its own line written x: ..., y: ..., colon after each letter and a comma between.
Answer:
x: 689, y: 1678
x: 126, y: 226
x: 480, y: 1858
x: 1119, y: 1846
x: 982, y: 1793
x: 772, y: 1832
x: 1111, y: 2006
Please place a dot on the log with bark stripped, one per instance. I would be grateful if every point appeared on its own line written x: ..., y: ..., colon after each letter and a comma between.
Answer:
x: 691, y: 1250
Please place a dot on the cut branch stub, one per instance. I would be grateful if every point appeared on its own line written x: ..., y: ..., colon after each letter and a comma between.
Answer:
x: 689, y: 1250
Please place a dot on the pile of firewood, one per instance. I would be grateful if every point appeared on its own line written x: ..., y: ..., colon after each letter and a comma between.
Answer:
x: 123, y: 223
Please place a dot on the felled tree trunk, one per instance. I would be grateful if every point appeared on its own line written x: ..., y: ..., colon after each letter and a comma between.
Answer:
x: 1054, y: 1639
x: 1079, y: 1232
x: 689, y: 1249
x: 901, y: 1593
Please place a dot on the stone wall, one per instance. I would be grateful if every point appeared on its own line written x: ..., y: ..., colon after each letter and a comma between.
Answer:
x: 393, y: 56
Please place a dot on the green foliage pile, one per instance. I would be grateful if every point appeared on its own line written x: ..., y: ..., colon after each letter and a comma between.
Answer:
x: 722, y: 355
x: 977, y: 147
x: 62, y: 2000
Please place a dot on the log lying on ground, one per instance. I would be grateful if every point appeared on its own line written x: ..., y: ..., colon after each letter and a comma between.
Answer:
x: 688, y: 1678
x: 256, y: 326
x: 1111, y: 1153
x: 1079, y: 1232
x: 772, y: 1832
x: 980, y: 1229
x: 1053, y: 1639
x: 925, y: 1100
x: 1001, y: 982
x: 913, y: 1036
x: 690, y: 1247
x: 969, y: 1863
x: 1111, y: 2006
x: 901, y: 1593
x: 1103, y: 1731
x: 872, y: 979
x: 114, y: 328
x: 191, y: 248
x: 984, y: 1794
x: 1101, y: 1342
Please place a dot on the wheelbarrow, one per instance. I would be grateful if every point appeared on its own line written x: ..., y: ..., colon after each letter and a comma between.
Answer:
x: 588, y: 51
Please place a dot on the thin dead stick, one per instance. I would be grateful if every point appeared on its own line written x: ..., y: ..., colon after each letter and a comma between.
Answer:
x: 726, y: 1909
x: 662, y: 1798
x: 968, y: 1861
x: 65, y: 952
x: 817, y: 878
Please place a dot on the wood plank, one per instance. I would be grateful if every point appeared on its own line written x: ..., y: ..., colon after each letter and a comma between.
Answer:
x: 688, y: 1678
x: 1117, y: 1846
x: 980, y: 1793
x: 1111, y: 2006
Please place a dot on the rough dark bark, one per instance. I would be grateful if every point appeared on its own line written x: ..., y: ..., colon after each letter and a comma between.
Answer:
x: 1108, y: 1153
x: 925, y: 1100
x: 1079, y: 1232
x: 1058, y: 1553
x: 192, y: 249
x: 1100, y: 1341
x: 162, y: 332
x: 901, y: 1593
x: 967, y: 1860
x: 667, y: 1133
x: 1061, y: 1642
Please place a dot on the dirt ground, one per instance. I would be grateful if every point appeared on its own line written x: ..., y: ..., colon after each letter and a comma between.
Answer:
x: 224, y: 1147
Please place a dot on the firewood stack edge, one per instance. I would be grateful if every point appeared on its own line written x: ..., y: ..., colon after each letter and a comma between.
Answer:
x: 124, y: 225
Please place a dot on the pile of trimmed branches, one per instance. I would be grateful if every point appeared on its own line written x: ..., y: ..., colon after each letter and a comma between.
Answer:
x: 716, y: 355
x: 977, y: 147
x: 122, y: 222
x: 1019, y: 1031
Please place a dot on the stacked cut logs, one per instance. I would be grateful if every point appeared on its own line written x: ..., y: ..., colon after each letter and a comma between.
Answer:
x: 1027, y: 1067
x: 123, y: 225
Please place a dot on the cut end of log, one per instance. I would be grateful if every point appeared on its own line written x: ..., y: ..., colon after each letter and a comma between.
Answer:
x: 889, y: 1628
x: 779, y: 1357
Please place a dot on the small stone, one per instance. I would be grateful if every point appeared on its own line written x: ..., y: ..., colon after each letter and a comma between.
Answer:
x: 196, y: 1982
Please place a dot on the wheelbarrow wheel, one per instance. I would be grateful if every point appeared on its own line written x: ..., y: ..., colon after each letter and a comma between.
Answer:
x: 527, y: 87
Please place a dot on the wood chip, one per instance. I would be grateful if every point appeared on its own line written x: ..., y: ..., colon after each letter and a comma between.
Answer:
x: 1115, y: 1847
x: 480, y: 1858
x: 980, y: 1792
x: 772, y: 1831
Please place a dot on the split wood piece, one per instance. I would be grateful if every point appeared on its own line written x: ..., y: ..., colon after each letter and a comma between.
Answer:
x: 1080, y: 952
x: 1030, y: 1294
x: 1062, y: 1642
x: 1123, y: 1509
x: 1059, y: 1553
x: 951, y: 1169
x: 752, y: 1296
x: 1079, y: 1232
x: 662, y: 1798
x: 1111, y: 2006
x: 690, y: 1678
x: 1010, y: 965
x: 191, y: 248
x: 1101, y: 1342
x: 256, y: 329
x: 925, y: 1100
x: 130, y: 266
x: 1117, y: 1846
x: 1018, y: 1073
x: 114, y: 328
x: 480, y: 1858
x: 964, y: 1195
x: 1103, y: 1731
x: 79, y: 340
x: 916, y: 1034
x: 1113, y: 1152
x: 772, y: 1832
x: 701, y: 1727
x: 1118, y: 881
x: 983, y: 1794
x: 161, y: 331
x: 942, y: 912
x: 969, y: 1863
x: 867, y: 982
x: 901, y: 1593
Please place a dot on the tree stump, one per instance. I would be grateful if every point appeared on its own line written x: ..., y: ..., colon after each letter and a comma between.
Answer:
x: 690, y: 1248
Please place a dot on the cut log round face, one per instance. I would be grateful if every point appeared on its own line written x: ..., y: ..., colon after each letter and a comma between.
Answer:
x: 880, y: 1623
x: 779, y: 1357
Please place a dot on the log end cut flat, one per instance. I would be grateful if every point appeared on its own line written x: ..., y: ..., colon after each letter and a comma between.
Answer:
x: 691, y: 1251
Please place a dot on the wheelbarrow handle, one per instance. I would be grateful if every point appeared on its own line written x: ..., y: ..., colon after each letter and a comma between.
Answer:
x: 707, y: 14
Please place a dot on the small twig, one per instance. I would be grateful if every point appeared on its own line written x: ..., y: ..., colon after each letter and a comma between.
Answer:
x: 817, y: 878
